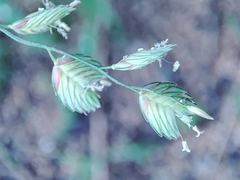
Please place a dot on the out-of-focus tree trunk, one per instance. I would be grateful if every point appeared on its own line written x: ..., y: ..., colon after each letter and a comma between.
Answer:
x: 98, y: 146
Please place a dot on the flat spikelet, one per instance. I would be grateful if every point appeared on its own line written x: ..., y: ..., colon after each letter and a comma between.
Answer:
x: 161, y: 103
x: 72, y: 82
x: 41, y: 21
x: 143, y: 57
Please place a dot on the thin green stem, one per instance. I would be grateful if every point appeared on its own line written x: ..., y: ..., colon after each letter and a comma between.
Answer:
x: 51, y: 55
x: 50, y: 49
x: 106, y: 67
x: 4, y: 26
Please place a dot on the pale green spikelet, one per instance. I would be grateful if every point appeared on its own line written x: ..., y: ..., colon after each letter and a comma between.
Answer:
x: 162, y: 103
x: 75, y: 83
x: 41, y: 21
x: 142, y: 57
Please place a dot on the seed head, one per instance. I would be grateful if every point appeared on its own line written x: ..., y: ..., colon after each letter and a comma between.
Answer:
x: 162, y: 103
x: 75, y: 83
x: 42, y: 20
x: 142, y: 57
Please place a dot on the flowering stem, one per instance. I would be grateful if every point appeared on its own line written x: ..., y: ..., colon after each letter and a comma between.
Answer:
x: 51, y: 49
x: 51, y: 55
x: 106, y: 67
x: 4, y: 26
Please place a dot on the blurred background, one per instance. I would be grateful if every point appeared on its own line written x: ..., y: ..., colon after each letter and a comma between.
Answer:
x: 40, y: 139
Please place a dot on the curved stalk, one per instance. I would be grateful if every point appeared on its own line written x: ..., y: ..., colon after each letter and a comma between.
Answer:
x: 106, y: 67
x: 50, y: 49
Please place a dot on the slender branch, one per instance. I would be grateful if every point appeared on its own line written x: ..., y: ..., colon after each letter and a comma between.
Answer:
x: 4, y: 26
x: 106, y: 67
x: 51, y: 56
x: 50, y: 49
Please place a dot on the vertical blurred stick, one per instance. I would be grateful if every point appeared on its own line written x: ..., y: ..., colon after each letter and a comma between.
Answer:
x: 229, y: 117
x: 92, y: 39
x: 98, y: 146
